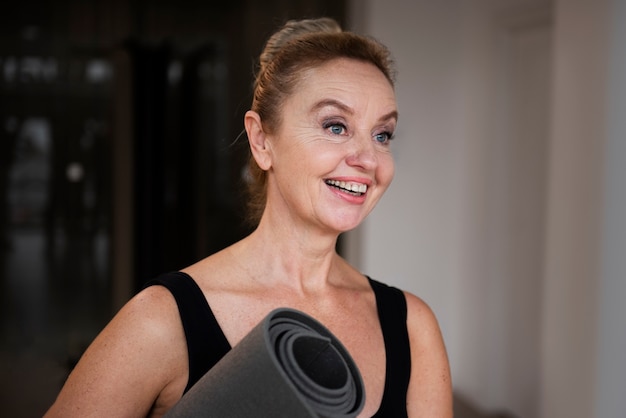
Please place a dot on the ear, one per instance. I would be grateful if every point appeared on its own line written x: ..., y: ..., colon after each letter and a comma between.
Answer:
x: 258, y: 139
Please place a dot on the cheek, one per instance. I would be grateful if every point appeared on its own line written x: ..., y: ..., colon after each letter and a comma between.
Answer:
x: 322, y: 156
x: 386, y: 170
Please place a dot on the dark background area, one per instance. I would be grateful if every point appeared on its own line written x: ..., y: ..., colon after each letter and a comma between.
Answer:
x: 119, y: 160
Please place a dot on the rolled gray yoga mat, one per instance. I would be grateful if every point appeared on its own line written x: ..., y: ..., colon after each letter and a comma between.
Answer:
x: 289, y: 365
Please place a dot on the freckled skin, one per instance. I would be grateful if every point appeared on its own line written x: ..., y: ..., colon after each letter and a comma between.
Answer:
x: 352, y: 153
x: 335, y: 126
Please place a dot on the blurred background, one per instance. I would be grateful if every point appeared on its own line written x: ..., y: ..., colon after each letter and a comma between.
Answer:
x: 119, y: 160
x: 118, y: 122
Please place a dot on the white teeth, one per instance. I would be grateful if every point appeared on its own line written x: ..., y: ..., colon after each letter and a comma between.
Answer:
x: 353, y: 187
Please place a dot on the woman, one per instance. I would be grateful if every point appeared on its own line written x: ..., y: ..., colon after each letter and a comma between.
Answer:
x: 322, y: 118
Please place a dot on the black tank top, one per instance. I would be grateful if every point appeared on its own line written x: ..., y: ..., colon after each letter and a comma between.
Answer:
x: 207, y: 344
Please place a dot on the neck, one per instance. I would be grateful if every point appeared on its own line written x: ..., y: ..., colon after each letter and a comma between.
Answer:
x: 296, y: 257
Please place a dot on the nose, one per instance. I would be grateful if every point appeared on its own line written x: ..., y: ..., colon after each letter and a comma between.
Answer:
x: 362, y: 153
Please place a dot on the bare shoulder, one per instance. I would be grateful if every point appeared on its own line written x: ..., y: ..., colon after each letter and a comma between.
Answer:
x: 138, y: 359
x: 421, y: 319
x: 430, y: 387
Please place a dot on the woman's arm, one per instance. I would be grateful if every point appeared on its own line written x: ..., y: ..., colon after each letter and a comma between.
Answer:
x: 136, y: 364
x: 430, y: 387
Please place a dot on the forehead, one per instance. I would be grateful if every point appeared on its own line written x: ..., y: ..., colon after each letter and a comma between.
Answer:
x: 354, y: 82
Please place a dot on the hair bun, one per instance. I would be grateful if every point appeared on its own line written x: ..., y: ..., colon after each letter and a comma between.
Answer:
x: 294, y: 29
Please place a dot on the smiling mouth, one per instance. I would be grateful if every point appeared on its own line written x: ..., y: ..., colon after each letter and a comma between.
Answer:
x: 354, y: 189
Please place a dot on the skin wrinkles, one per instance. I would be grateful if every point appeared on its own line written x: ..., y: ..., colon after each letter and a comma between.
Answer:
x: 355, y: 154
x: 326, y: 109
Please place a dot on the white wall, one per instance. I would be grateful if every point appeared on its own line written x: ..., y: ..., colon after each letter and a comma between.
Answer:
x: 462, y: 225
x: 496, y: 214
x: 610, y: 377
x: 575, y: 207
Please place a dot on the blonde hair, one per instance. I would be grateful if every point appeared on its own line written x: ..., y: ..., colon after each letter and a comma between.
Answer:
x: 298, y: 46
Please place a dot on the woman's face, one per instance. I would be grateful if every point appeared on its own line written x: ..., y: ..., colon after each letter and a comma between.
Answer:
x: 331, y: 158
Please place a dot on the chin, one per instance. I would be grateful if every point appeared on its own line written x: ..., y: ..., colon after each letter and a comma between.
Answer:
x: 346, y: 225
x: 341, y: 220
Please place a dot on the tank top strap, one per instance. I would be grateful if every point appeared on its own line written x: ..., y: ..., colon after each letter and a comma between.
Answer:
x: 206, y: 342
x: 392, y: 314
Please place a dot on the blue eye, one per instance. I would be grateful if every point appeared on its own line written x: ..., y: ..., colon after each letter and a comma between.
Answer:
x: 337, y: 129
x: 383, y: 137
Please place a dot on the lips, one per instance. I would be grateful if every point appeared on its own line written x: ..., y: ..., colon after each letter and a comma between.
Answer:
x: 353, y: 188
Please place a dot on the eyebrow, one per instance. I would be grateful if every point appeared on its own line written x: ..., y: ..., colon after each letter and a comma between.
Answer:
x: 345, y: 108
x: 332, y: 103
x: 391, y: 115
